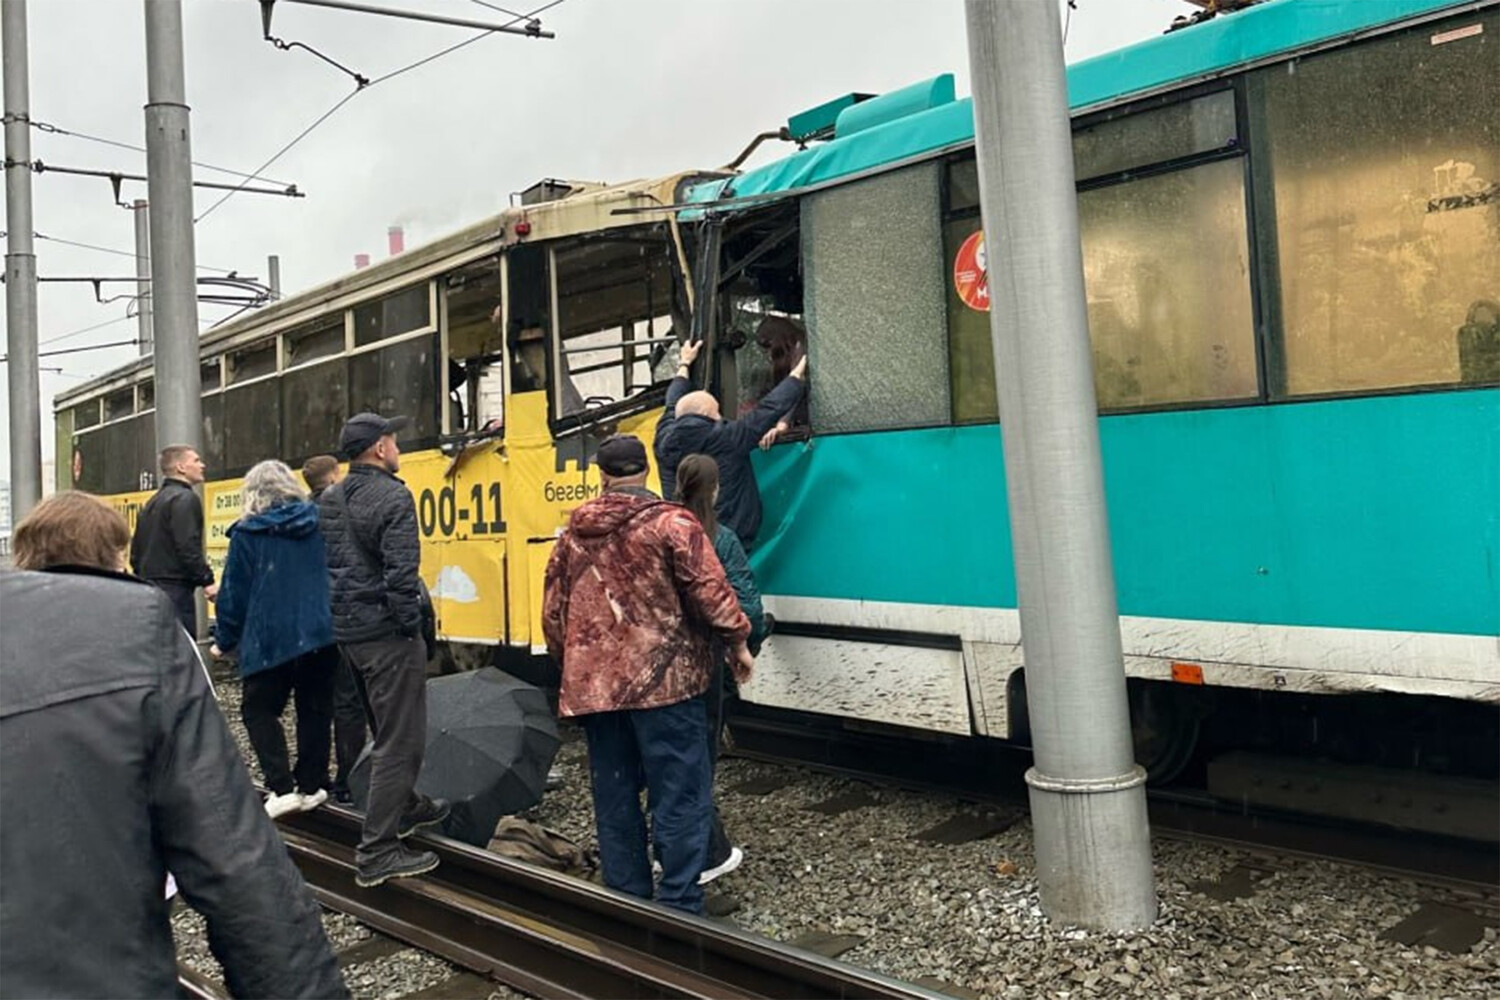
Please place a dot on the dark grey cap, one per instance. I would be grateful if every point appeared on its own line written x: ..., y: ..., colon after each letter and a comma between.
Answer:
x: 362, y: 430
x: 621, y: 455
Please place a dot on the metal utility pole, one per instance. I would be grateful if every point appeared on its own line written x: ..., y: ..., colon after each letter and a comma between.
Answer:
x: 174, y: 290
x: 24, y: 377
x: 273, y: 276
x: 1088, y: 797
x: 143, y: 272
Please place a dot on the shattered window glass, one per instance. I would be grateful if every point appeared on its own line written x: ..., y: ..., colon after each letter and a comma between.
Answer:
x: 873, y: 286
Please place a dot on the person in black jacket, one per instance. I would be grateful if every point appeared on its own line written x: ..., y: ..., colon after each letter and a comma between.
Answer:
x: 692, y: 424
x: 167, y: 549
x: 370, y: 528
x: 118, y: 769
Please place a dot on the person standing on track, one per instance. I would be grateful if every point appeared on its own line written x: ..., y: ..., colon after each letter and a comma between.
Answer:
x: 273, y: 613
x: 370, y: 526
x: 167, y: 549
x: 633, y: 594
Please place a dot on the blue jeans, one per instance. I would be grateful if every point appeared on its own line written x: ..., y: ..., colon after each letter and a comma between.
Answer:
x: 666, y: 750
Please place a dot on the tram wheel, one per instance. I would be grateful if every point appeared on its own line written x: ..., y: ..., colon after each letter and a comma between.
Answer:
x: 1163, y: 729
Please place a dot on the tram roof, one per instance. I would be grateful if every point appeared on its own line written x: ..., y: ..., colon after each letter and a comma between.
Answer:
x: 1202, y: 52
x: 590, y: 207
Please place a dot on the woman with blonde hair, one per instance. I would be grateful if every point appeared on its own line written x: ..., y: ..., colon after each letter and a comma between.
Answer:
x: 273, y: 612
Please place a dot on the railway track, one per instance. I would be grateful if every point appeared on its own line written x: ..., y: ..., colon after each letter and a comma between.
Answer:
x: 996, y: 775
x: 550, y: 935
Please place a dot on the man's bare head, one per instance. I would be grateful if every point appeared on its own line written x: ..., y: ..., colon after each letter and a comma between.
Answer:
x: 698, y: 404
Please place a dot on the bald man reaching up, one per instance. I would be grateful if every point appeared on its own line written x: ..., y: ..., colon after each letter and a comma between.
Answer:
x: 693, y: 425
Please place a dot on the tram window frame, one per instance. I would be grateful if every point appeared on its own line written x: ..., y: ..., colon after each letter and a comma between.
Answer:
x: 663, y: 308
x: 476, y: 347
x: 328, y: 380
x: 871, y: 327
x: 87, y: 415
x: 426, y: 418
x: 119, y: 404
x: 145, y: 396
x: 959, y: 209
x: 1295, y: 371
x: 248, y: 363
x: 393, y: 321
x: 211, y: 442
x: 262, y: 411
x: 326, y: 337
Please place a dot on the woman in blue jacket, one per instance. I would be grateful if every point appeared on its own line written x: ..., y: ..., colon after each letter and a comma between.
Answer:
x: 697, y: 484
x: 273, y: 613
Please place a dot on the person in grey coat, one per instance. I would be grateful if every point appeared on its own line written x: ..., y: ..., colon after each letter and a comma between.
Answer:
x: 118, y: 768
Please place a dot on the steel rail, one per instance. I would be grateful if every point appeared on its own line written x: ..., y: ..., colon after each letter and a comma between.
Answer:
x: 553, y: 935
x: 971, y: 770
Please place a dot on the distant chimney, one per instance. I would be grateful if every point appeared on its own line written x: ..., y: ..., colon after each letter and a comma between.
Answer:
x: 361, y: 261
x: 396, y: 238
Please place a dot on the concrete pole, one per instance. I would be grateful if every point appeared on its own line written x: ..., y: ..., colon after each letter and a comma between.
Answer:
x: 174, y: 292
x: 1088, y: 802
x: 143, y: 273
x: 23, y: 375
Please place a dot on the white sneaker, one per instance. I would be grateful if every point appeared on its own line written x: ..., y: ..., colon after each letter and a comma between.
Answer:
x: 730, y: 864
x: 280, y: 805
x: 311, y: 802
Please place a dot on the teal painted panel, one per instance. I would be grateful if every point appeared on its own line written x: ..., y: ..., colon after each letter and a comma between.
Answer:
x: 1370, y: 513
x: 1218, y: 45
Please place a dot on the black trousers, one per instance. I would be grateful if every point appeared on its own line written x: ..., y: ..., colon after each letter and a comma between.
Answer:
x: 349, y: 723
x: 310, y: 678
x: 721, y: 688
x: 184, y: 600
x: 393, y: 676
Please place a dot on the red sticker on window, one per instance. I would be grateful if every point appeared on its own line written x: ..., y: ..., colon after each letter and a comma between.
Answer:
x: 971, y: 276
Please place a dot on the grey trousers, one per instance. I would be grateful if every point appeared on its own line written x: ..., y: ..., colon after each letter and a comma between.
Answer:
x: 393, y: 676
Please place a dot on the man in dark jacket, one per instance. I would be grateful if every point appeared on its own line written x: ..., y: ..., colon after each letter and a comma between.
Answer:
x: 349, y: 726
x: 118, y: 769
x: 692, y: 424
x: 634, y: 593
x: 167, y: 549
x: 370, y: 528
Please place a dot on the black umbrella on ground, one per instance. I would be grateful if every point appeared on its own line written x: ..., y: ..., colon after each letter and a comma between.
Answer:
x: 490, y: 742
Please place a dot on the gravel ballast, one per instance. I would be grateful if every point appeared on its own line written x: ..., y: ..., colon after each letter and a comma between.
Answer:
x: 968, y: 914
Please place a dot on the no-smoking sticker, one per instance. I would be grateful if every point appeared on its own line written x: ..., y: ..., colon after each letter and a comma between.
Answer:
x: 971, y: 273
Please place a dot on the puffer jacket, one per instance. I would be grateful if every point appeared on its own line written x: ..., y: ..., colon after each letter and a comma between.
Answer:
x: 273, y: 600
x: 370, y: 527
x: 118, y: 769
x: 633, y: 596
x: 168, y: 543
x: 730, y: 443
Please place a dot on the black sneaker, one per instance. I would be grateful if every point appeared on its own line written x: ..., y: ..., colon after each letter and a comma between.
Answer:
x: 400, y: 863
x: 430, y: 813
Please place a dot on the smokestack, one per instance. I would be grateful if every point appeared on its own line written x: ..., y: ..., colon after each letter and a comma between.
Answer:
x: 361, y: 261
x: 396, y: 239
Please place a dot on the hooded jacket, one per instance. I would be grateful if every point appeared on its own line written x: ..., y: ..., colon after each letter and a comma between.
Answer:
x: 730, y: 443
x: 634, y: 594
x: 118, y: 769
x: 167, y: 546
x: 273, y: 601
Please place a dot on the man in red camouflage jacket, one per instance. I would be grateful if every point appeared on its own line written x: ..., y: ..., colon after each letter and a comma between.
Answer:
x: 634, y: 593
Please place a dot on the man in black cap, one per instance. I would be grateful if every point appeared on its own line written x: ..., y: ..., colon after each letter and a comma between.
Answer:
x: 370, y: 526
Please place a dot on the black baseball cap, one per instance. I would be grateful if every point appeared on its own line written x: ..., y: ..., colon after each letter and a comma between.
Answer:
x: 621, y: 455
x: 362, y: 430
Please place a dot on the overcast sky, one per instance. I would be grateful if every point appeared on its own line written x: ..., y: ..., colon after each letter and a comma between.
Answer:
x: 629, y: 88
